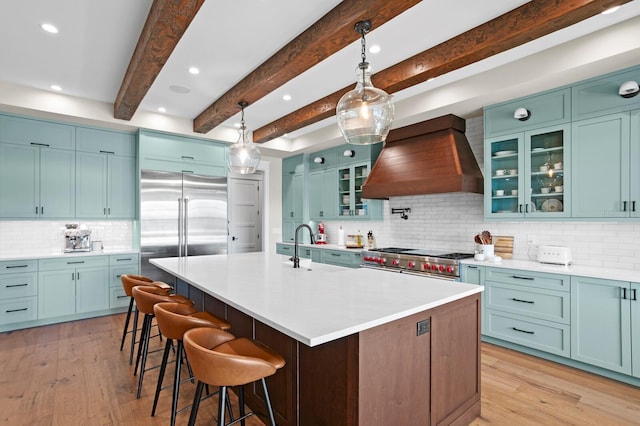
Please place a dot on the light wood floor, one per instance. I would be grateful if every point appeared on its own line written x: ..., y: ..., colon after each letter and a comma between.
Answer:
x: 74, y: 374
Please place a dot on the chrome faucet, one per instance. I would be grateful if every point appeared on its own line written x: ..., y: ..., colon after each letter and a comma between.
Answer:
x: 296, y: 258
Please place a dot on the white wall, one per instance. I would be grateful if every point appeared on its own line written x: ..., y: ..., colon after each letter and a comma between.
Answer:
x: 450, y: 221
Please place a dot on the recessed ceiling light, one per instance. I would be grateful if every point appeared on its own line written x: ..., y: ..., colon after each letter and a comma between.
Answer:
x: 374, y: 49
x: 162, y: 109
x: 56, y: 87
x: 194, y: 70
x: 611, y: 10
x: 49, y: 28
x: 286, y: 97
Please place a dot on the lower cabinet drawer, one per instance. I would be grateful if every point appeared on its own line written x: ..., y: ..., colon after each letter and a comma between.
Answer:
x: 18, y: 285
x: 18, y: 310
x: 543, y: 335
x: 336, y: 258
x: 118, y: 298
x: 116, y: 273
x: 284, y: 249
x: 539, y: 303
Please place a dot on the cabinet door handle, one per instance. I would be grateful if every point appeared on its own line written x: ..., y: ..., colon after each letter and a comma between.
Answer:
x: 624, y: 206
x: 526, y: 208
x: 39, y: 144
x: 634, y: 296
x: 36, y: 209
x: 522, y: 301
x: 107, y: 152
x: 73, y: 276
x: 624, y: 293
x: 16, y: 285
x: 15, y: 310
x: 518, y: 277
x: 520, y: 208
x: 186, y: 157
x: 290, y: 214
x: 472, y: 267
x: 41, y: 210
x: 78, y: 275
x: 523, y: 331
x: 109, y: 211
x: 104, y: 211
x: 633, y: 206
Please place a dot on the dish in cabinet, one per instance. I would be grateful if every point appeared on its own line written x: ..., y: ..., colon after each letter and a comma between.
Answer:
x: 552, y: 205
x: 503, y: 153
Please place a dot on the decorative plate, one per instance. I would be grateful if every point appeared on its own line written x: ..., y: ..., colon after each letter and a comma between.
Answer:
x: 503, y: 153
x: 552, y: 205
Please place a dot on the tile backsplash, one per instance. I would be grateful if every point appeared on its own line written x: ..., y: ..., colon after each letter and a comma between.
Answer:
x: 450, y: 221
x: 24, y: 237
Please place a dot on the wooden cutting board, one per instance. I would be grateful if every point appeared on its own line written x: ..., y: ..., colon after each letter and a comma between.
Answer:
x: 503, y: 246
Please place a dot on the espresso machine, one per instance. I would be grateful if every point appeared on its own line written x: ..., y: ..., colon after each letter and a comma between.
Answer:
x: 77, y: 239
x: 321, y: 237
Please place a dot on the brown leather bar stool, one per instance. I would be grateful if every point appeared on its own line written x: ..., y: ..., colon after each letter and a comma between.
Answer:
x: 218, y: 358
x: 146, y: 297
x: 174, y: 319
x: 128, y: 282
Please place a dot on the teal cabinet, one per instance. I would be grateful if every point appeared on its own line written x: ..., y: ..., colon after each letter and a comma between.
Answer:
x: 351, y: 205
x: 474, y: 274
x: 527, y: 174
x: 606, y: 166
x: 292, y: 195
x: 530, y: 309
x: 599, y: 96
x: 127, y: 263
x: 67, y: 286
x: 323, y: 255
x: 171, y: 153
x: 105, y: 186
x: 323, y: 194
x: 635, y: 329
x: 26, y: 131
x: 18, y: 291
x: 36, y: 182
x: 601, y: 323
x: 546, y: 109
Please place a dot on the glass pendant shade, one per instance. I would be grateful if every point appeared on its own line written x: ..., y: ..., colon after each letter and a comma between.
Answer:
x: 243, y: 156
x: 365, y: 113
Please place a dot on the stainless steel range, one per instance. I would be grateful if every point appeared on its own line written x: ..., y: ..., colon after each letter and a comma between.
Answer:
x: 432, y: 263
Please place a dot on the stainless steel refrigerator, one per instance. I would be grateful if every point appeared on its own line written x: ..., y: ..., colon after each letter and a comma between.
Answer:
x: 181, y: 215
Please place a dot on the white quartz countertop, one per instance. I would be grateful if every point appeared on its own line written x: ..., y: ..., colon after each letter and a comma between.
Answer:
x: 315, y: 305
x: 60, y: 253
x: 578, y: 270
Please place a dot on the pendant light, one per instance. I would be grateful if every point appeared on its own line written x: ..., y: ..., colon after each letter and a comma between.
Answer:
x: 365, y: 113
x: 244, y: 156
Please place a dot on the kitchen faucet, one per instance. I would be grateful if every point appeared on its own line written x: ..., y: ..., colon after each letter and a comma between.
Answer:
x: 296, y: 258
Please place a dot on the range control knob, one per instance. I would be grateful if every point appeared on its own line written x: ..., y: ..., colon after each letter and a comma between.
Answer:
x: 411, y: 264
x: 395, y: 262
x: 434, y: 267
x: 425, y: 266
x: 365, y: 258
x: 382, y: 260
x: 441, y: 268
x: 450, y: 269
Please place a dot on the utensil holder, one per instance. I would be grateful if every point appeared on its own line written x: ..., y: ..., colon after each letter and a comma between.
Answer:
x: 488, y: 250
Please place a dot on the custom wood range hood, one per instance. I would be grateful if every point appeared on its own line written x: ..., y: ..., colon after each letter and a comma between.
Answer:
x: 432, y: 157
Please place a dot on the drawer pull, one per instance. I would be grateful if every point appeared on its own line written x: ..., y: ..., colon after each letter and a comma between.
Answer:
x: 518, y: 277
x: 121, y: 297
x: 522, y: 301
x: 77, y: 261
x: 15, y: 310
x: 119, y: 276
x: 39, y: 144
x: 123, y: 259
x: 187, y: 157
x: 335, y: 254
x: 523, y: 331
x: 107, y: 152
x: 16, y: 285
x: 16, y: 266
x: 472, y: 267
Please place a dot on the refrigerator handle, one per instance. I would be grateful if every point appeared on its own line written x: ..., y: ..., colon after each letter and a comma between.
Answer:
x: 186, y: 226
x: 180, y: 236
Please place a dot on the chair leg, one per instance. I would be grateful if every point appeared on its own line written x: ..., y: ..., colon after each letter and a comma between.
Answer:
x: 176, y: 384
x: 196, y: 403
x: 163, y: 367
x: 133, y: 334
x: 268, y: 400
x: 221, y: 404
x: 241, y: 404
x: 145, y: 336
x: 140, y: 344
x: 126, y: 324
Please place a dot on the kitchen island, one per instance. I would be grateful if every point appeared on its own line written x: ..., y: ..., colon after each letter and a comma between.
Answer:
x: 363, y: 347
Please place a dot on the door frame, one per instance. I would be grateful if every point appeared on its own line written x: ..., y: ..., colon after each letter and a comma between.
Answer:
x: 261, y: 175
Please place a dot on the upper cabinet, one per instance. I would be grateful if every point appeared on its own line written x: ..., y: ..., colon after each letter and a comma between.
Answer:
x: 292, y: 195
x: 25, y: 131
x: 528, y: 113
x: 577, y: 154
x: 172, y: 153
x: 600, y: 96
x: 525, y: 174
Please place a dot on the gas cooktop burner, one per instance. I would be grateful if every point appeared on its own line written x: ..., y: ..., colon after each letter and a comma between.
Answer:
x: 423, y: 252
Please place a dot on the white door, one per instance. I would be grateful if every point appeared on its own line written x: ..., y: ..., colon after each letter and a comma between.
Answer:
x: 245, y: 214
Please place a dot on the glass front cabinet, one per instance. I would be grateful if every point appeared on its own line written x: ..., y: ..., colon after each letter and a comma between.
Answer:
x: 525, y: 174
x: 350, y: 201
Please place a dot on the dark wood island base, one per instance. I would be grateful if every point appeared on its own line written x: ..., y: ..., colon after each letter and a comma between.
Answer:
x: 423, y: 369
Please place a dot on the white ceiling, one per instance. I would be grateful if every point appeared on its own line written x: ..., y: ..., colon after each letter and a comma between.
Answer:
x: 228, y: 39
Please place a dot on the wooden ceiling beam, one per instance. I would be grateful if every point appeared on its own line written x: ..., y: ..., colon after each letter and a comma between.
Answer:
x: 166, y: 23
x: 328, y: 35
x: 519, y: 26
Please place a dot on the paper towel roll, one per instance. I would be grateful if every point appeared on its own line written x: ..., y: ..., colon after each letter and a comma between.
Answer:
x: 341, y: 236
